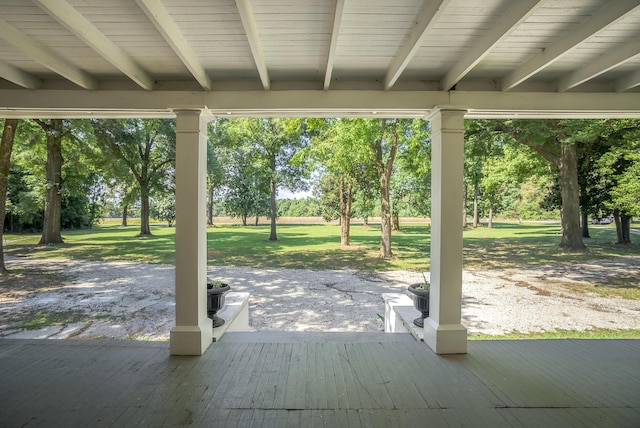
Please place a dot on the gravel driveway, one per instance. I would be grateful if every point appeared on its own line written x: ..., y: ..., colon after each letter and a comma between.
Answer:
x: 136, y: 301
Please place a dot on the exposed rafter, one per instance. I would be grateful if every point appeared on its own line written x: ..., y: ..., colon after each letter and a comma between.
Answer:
x: 610, y: 13
x: 254, y: 41
x: 425, y: 22
x: 33, y: 49
x: 603, y: 64
x: 85, y: 30
x: 627, y: 82
x: 517, y: 13
x: 19, y: 77
x: 163, y: 22
x: 337, y: 21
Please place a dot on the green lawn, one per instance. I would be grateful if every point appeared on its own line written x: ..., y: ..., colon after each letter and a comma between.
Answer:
x: 596, y: 333
x: 317, y: 246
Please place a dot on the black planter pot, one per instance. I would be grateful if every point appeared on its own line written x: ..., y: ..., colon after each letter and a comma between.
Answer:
x: 420, y: 302
x: 215, y: 302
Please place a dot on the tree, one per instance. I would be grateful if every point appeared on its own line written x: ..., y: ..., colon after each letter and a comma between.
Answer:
x: 557, y: 142
x: 54, y: 130
x: 163, y: 207
x: 384, y: 147
x: 217, y: 142
x: 6, y: 148
x: 620, y: 169
x: 478, y: 147
x: 146, y: 147
x: 245, y: 194
x: 273, y: 143
x: 346, y: 166
x: 411, y: 180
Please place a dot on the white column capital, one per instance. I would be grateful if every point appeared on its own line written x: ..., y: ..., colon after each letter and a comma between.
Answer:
x: 439, y: 110
x: 191, y: 119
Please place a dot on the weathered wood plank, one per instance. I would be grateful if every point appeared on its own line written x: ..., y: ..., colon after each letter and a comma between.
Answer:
x: 318, y: 381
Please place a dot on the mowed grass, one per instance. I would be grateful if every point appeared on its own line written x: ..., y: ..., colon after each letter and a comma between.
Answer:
x: 317, y: 246
x: 596, y: 333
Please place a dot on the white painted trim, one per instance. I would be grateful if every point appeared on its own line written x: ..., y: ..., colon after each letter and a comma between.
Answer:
x: 33, y: 49
x: 19, y: 77
x: 163, y: 22
x: 193, y: 332
x: 443, y: 329
x: 613, y: 59
x: 19, y: 103
x: 424, y: 23
x: 244, y: 9
x: 607, y: 15
x: 86, y: 31
x: 514, y: 16
x: 628, y: 81
x: 335, y: 33
x: 235, y: 314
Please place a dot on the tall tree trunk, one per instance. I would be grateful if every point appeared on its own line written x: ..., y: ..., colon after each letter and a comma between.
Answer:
x: 125, y: 214
x: 584, y: 223
x: 623, y: 227
x: 395, y: 219
x: 243, y: 217
x: 490, y: 224
x: 385, y: 219
x: 365, y: 221
x: 626, y: 228
x: 464, y: 207
x: 273, y: 210
x: 6, y: 147
x: 384, y: 175
x: 210, y: 206
x: 570, y: 192
x: 145, y: 230
x: 345, y: 212
x: 257, y: 219
x: 51, y: 233
x: 476, y: 195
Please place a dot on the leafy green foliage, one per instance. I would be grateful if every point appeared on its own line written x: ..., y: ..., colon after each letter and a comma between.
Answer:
x: 146, y: 148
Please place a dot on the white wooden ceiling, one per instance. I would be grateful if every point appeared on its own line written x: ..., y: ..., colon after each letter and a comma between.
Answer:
x: 478, y: 48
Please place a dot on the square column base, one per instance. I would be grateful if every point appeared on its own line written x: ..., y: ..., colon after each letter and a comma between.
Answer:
x: 191, y: 339
x: 445, y: 338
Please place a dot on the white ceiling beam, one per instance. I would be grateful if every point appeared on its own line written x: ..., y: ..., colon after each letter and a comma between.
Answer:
x: 19, y: 77
x: 165, y: 25
x: 250, y: 29
x: 424, y: 23
x: 317, y: 103
x: 335, y: 32
x: 605, y: 16
x: 627, y: 82
x: 33, y: 49
x: 613, y: 59
x: 514, y: 16
x: 64, y: 13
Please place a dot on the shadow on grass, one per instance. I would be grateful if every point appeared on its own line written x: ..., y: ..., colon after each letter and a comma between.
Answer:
x: 317, y: 246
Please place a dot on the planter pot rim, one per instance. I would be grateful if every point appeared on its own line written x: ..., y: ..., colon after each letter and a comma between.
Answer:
x: 219, y: 290
x: 412, y: 288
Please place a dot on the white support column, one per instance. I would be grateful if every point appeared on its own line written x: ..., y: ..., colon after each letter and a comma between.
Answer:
x: 193, y: 332
x: 443, y: 330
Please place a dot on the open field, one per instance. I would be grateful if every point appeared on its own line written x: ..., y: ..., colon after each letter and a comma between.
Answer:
x: 316, y: 246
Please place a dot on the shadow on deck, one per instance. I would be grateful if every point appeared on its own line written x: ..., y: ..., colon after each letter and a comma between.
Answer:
x: 320, y: 379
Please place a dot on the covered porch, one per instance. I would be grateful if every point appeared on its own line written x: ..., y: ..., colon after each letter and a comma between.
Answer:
x: 314, y: 380
x: 443, y: 61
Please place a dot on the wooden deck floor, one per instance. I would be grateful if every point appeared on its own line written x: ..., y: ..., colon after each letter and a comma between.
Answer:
x: 318, y: 380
